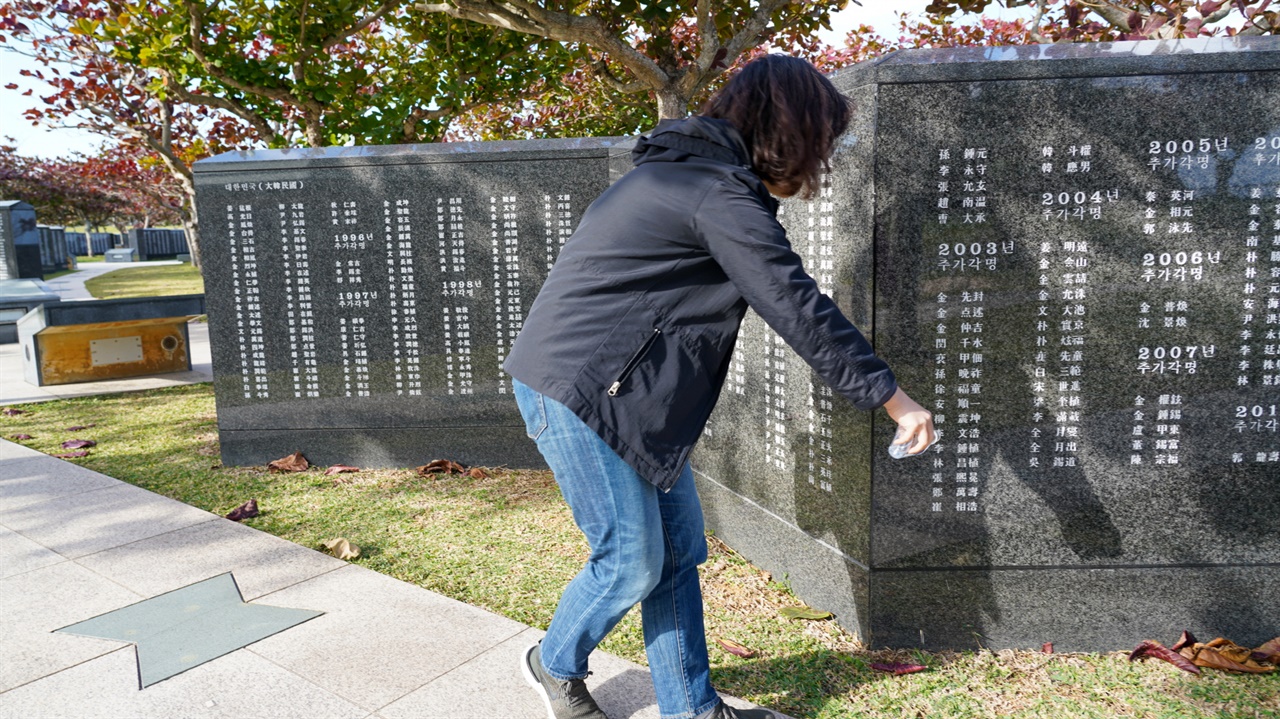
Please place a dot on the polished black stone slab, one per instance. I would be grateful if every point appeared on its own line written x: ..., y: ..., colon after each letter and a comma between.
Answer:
x: 1073, y: 260
x: 19, y: 242
x: 362, y: 300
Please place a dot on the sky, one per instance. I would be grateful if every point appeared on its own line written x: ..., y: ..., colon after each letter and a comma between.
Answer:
x: 38, y: 141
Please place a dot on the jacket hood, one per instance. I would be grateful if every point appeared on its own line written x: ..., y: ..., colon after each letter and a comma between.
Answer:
x: 676, y: 140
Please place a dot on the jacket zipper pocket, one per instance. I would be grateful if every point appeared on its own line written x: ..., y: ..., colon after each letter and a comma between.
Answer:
x: 633, y: 362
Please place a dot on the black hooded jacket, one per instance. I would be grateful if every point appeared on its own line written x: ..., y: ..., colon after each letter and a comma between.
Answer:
x: 634, y: 328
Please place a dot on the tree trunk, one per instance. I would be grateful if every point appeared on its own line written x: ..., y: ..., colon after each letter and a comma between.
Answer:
x: 672, y: 103
x: 191, y: 224
x: 88, y: 235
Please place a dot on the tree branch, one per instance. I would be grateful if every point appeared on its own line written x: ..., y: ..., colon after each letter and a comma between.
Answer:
x: 259, y: 123
x: 196, y: 46
x: 747, y: 37
x: 1115, y: 16
x: 601, y: 70
x: 531, y: 19
x: 1034, y: 32
x: 378, y: 14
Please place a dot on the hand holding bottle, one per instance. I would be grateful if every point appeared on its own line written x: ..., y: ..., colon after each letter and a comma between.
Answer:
x: 915, y: 426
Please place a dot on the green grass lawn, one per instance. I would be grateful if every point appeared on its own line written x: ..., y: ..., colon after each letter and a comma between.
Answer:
x: 153, y: 281
x: 507, y: 543
x: 86, y: 258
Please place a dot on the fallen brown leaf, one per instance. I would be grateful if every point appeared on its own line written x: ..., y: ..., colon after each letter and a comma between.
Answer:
x: 11, y: 412
x: 293, y: 463
x: 440, y: 466
x: 1230, y: 649
x: 1046, y: 648
x: 244, y: 511
x: 79, y: 444
x: 73, y: 455
x: 804, y: 613
x: 478, y: 473
x: 1204, y: 655
x: 736, y: 649
x: 1151, y: 648
x: 340, y: 469
x: 1269, y: 652
x: 341, y: 548
x: 20, y: 436
x: 79, y: 427
x: 897, y: 669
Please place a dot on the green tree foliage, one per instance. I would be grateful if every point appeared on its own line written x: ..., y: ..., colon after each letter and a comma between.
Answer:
x: 671, y: 50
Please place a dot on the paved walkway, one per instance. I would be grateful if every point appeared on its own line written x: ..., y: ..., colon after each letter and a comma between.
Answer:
x: 71, y: 287
x: 75, y: 544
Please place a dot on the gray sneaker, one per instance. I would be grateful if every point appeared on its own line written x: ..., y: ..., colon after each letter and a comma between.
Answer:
x: 724, y: 711
x: 567, y: 699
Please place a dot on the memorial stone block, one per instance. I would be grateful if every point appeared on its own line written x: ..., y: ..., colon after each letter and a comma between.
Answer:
x: 362, y: 300
x: 53, y: 248
x: 1071, y: 256
x: 19, y: 242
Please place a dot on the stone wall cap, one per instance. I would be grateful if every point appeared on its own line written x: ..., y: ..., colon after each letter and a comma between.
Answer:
x: 1050, y: 60
x: 499, y: 150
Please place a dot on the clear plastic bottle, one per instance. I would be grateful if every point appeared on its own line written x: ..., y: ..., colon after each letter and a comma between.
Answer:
x: 898, y: 451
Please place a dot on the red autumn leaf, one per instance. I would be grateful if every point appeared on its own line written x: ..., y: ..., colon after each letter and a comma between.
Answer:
x: 73, y: 455
x: 79, y: 427
x: 1269, y: 652
x: 340, y: 469
x: 440, y: 466
x: 244, y: 511
x: 1046, y: 648
x: 1151, y: 648
x: 78, y: 444
x: 11, y: 86
x: 293, y: 463
x: 13, y: 412
x: 735, y: 648
x: 1187, y: 639
x: 21, y: 436
x: 897, y: 669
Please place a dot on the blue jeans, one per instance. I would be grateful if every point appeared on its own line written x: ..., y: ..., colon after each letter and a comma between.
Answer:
x: 646, y: 546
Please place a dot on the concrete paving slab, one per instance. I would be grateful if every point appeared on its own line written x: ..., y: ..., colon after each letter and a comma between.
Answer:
x: 40, y: 601
x: 30, y: 477
x: 15, y: 390
x: 380, y: 639
x: 236, y: 686
x: 19, y: 555
x: 491, y: 685
x: 260, y: 562
x: 101, y: 519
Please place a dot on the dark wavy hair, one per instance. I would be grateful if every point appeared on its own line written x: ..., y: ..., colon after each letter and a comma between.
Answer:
x: 790, y: 116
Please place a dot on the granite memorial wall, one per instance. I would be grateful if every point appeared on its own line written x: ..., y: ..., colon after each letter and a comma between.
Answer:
x: 1071, y: 256
x: 362, y: 300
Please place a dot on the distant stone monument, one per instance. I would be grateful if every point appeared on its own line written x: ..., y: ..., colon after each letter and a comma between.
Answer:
x: 362, y: 300
x: 19, y: 242
x: 153, y: 242
x: 53, y: 248
x: 1071, y: 255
